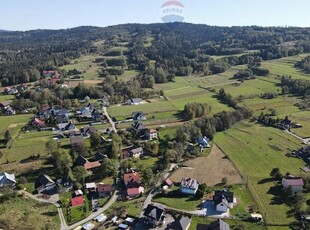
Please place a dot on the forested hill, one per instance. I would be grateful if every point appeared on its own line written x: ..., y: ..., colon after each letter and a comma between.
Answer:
x: 183, y: 51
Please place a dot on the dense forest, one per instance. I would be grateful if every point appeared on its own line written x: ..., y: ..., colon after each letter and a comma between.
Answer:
x: 180, y: 52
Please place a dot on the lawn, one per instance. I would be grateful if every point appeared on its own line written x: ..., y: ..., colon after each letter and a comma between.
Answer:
x: 285, y: 66
x: 10, y: 122
x: 26, y: 145
x: 133, y: 207
x: 244, y: 199
x: 75, y: 214
x: 232, y: 223
x: 149, y: 162
x: 6, y: 98
x: 303, y: 118
x: 169, y: 131
x: 255, y: 151
x: 179, y: 201
x: 25, y: 213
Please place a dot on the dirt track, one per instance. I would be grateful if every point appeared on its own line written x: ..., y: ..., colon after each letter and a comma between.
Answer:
x: 210, y: 170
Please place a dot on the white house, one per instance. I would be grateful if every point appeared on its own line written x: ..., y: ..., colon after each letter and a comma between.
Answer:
x: 189, y: 186
x: 223, y: 200
x: 151, y: 134
x: 296, y: 183
x: 136, y: 153
x: 44, y: 184
x: 7, y: 180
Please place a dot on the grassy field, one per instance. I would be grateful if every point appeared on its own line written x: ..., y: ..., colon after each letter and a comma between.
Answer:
x: 284, y: 105
x: 232, y: 223
x: 303, y: 118
x: 25, y: 213
x: 285, y: 66
x: 254, y: 87
x: 86, y: 65
x: 26, y: 145
x: 6, y: 98
x: 133, y: 207
x: 10, y: 122
x: 178, y: 202
x: 255, y: 151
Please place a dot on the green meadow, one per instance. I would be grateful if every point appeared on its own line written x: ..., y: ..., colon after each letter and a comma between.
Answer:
x: 255, y: 151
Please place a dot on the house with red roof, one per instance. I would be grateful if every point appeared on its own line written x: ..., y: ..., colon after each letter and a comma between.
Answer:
x: 104, y: 190
x: 38, y: 122
x: 132, y: 180
x: 167, y: 182
x: 88, y: 165
x: 296, y: 183
x: 134, y: 192
x: 77, y: 201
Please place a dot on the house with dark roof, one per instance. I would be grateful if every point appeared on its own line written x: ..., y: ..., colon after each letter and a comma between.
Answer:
x: 203, y: 142
x: 76, y: 141
x: 65, y: 126
x: 296, y: 183
x: 96, y: 115
x: 219, y: 225
x: 180, y: 223
x: 286, y: 123
x: 61, y: 119
x: 136, y: 152
x: 138, y: 116
x: 100, y: 156
x: 87, y: 131
x: 215, y: 225
x: 134, y: 101
x: 154, y: 215
x: 138, y: 126
x: 223, y: 200
x: 7, y: 180
x: 63, y: 112
x: 104, y: 190
x: 189, y: 186
x: 44, y: 184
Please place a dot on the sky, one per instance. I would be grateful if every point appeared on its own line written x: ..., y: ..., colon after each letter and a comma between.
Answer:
x: 61, y: 14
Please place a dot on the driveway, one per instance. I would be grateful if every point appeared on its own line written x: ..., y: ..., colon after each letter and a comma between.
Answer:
x: 211, y: 211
